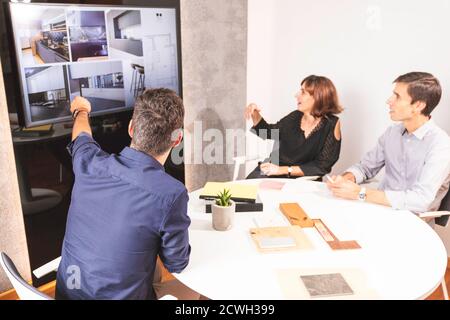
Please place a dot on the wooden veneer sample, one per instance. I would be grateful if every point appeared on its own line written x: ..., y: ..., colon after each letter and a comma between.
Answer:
x: 296, y: 215
x: 331, y: 239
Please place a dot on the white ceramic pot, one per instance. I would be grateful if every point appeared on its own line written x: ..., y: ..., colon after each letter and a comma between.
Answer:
x: 222, y: 217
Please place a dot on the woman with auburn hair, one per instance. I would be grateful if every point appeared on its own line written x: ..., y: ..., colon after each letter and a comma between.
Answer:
x: 309, y: 138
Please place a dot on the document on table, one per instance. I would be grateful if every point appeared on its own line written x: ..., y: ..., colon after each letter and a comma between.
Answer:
x: 265, y: 220
x: 271, y: 185
x: 273, y: 239
x: 325, y: 283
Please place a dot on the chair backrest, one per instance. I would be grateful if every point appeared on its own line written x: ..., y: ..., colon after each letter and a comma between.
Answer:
x: 445, y: 206
x: 24, y: 290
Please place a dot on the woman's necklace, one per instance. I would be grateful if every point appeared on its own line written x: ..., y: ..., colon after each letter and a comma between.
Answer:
x: 308, y: 128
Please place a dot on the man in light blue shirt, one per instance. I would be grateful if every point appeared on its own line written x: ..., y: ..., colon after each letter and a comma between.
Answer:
x: 415, y: 153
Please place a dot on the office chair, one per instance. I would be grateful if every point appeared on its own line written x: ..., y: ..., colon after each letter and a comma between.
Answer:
x: 24, y: 290
x: 47, y: 268
x: 140, y: 86
x: 441, y: 217
x: 133, y: 77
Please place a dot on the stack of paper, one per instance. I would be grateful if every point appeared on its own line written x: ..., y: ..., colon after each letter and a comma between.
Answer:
x: 271, y: 185
x: 239, y: 192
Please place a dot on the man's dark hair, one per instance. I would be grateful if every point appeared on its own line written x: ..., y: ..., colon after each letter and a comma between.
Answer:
x: 423, y: 87
x: 157, y: 114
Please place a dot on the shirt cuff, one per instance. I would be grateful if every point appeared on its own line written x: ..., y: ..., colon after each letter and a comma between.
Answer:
x: 262, y: 124
x: 359, y: 176
x: 82, y: 138
x: 397, y: 199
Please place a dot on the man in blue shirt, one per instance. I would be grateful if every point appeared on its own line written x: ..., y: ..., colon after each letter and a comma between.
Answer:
x: 125, y: 209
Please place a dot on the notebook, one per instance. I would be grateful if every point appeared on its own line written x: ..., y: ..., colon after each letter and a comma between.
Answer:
x: 326, y: 285
x: 239, y: 192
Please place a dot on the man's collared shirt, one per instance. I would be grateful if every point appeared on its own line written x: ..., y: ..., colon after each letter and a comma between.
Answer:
x: 125, y: 211
x: 417, y: 166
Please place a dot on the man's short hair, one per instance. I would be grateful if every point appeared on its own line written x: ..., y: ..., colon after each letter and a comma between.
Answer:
x: 424, y: 87
x: 157, y: 114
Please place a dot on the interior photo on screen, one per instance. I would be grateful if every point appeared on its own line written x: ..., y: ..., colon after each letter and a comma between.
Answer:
x: 87, y: 35
x: 111, y: 54
x: 101, y: 83
x: 159, y: 38
x: 125, y: 43
x: 41, y: 34
x: 48, y: 92
x: 125, y: 32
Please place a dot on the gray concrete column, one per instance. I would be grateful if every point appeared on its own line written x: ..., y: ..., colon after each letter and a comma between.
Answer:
x: 214, y: 58
x: 12, y: 230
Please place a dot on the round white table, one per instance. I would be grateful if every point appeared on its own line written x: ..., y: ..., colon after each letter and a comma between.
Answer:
x: 401, y: 256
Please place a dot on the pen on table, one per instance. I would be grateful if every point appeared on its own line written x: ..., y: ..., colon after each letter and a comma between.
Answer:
x: 329, y: 179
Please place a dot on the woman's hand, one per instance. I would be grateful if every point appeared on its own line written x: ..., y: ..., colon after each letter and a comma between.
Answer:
x: 252, y: 112
x: 270, y: 169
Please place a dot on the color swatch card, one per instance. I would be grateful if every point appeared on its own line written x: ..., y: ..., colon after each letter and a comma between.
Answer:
x: 325, y: 285
x: 329, y: 283
x: 274, y: 239
x: 271, y: 185
x: 331, y: 239
x: 278, y: 242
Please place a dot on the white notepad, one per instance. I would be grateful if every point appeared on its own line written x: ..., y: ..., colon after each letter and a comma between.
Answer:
x: 276, y: 242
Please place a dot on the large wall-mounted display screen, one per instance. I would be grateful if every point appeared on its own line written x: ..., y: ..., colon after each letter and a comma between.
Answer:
x: 106, y: 54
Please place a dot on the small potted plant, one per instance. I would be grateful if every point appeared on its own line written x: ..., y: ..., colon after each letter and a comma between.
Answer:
x: 223, y: 211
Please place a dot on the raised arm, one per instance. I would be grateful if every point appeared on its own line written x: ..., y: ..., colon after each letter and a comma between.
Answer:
x: 252, y: 111
x: 80, y: 108
x: 260, y: 127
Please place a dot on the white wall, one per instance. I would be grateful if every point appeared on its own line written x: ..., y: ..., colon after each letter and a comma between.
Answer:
x: 105, y: 93
x: 361, y: 45
x: 85, y: 70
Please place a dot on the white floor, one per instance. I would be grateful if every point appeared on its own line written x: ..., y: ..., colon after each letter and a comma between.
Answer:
x: 28, y: 59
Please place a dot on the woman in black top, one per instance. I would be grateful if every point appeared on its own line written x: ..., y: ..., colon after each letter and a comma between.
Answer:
x: 308, y: 140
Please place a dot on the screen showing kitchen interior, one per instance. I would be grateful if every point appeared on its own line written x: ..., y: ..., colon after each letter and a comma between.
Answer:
x: 108, y: 55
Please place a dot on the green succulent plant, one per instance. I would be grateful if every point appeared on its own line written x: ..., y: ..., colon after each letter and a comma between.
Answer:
x: 224, y: 199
